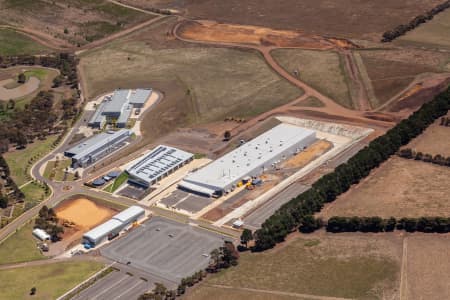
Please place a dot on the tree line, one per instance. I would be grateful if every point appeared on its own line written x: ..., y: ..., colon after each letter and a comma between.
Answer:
x: 298, y: 212
x: 437, y: 159
x: 377, y: 224
x: 48, y: 221
x: 402, y: 29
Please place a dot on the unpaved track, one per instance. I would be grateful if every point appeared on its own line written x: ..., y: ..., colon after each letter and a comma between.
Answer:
x: 362, y: 98
x: 330, y: 108
x: 41, y: 37
x: 272, y: 292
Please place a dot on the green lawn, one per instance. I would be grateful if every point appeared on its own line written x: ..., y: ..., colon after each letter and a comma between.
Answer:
x: 323, y: 70
x: 19, y: 247
x: 14, y: 43
x: 117, y: 183
x: 346, y: 267
x: 18, y: 160
x: 51, y: 281
x: 34, y: 193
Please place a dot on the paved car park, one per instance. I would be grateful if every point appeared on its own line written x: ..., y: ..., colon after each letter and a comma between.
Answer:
x: 165, y: 249
x: 116, y: 285
x: 186, y: 201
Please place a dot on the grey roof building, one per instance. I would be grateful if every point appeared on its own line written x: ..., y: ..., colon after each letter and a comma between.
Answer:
x: 251, y: 159
x: 113, y: 226
x: 96, y: 147
x: 157, y: 164
x: 118, y: 107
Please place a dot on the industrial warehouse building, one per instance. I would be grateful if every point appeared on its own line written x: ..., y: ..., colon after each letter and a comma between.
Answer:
x: 113, y: 226
x: 116, y: 109
x: 160, y: 162
x: 250, y: 159
x: 96, y: 147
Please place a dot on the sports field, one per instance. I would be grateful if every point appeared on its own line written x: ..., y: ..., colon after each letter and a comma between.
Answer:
x: 398, y: 188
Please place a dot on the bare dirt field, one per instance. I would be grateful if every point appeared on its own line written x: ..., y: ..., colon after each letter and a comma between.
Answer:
x: 73, y: 22
x: 434, y: 140
x: 427, y: 267
x: 346, y: 18
x: 398, y: 188
x: 209, y: 31
x: 322, y: 70
x: 306, y: 156
x: 353, y: 266
x: 84, y: 212
x: 433, y: 34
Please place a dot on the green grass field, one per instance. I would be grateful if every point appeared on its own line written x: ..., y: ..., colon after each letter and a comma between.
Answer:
x: 20, y: 247
x: 332, y: 266
x: 51, y: 281
x: 18, y: 160
x: 15, y: 43
x: 433, y: 34
x: 34, y: 193
x: 322, y: 70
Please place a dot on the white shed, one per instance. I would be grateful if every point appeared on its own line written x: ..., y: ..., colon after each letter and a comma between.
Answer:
x: 132, y: 214
x: 41, y: 234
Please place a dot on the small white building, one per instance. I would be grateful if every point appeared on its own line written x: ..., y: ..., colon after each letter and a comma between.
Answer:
x: 41, y: 234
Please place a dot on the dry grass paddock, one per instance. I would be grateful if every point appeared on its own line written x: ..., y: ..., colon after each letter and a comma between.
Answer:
x: 398, y: 188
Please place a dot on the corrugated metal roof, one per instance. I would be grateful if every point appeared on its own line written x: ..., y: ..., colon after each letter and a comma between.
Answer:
x: 140, y: 96
x: 95, y: 142
x: 238, y: 163
x: 118, y: 100
x: 157, y: 162
x: 103, y: 229
x: 129, y: 213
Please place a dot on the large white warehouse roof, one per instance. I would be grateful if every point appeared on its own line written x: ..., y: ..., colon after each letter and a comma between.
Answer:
x: 256, y: 154
x: 103, y: 230
x: 129, y: 213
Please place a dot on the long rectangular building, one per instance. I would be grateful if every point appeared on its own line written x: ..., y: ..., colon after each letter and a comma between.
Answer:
x: 250, y: 159
x: 96, y: 147
x: 159, y: 163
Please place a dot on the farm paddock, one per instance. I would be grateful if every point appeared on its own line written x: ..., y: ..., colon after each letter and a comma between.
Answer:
x: 398, y: 188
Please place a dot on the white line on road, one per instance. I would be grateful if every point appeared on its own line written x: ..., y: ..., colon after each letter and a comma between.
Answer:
x: 106, y: 290
x: 127, y: 290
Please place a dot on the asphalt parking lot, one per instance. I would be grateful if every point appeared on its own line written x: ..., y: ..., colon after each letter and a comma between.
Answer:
x: 186, y: 201
x: 116, y: 285
x: 165, y: 249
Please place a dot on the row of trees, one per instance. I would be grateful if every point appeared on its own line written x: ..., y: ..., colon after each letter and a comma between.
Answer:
x: 400, y: 30
x: 377, y: 224
x: 437, y: 159
x: 298, y: 212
